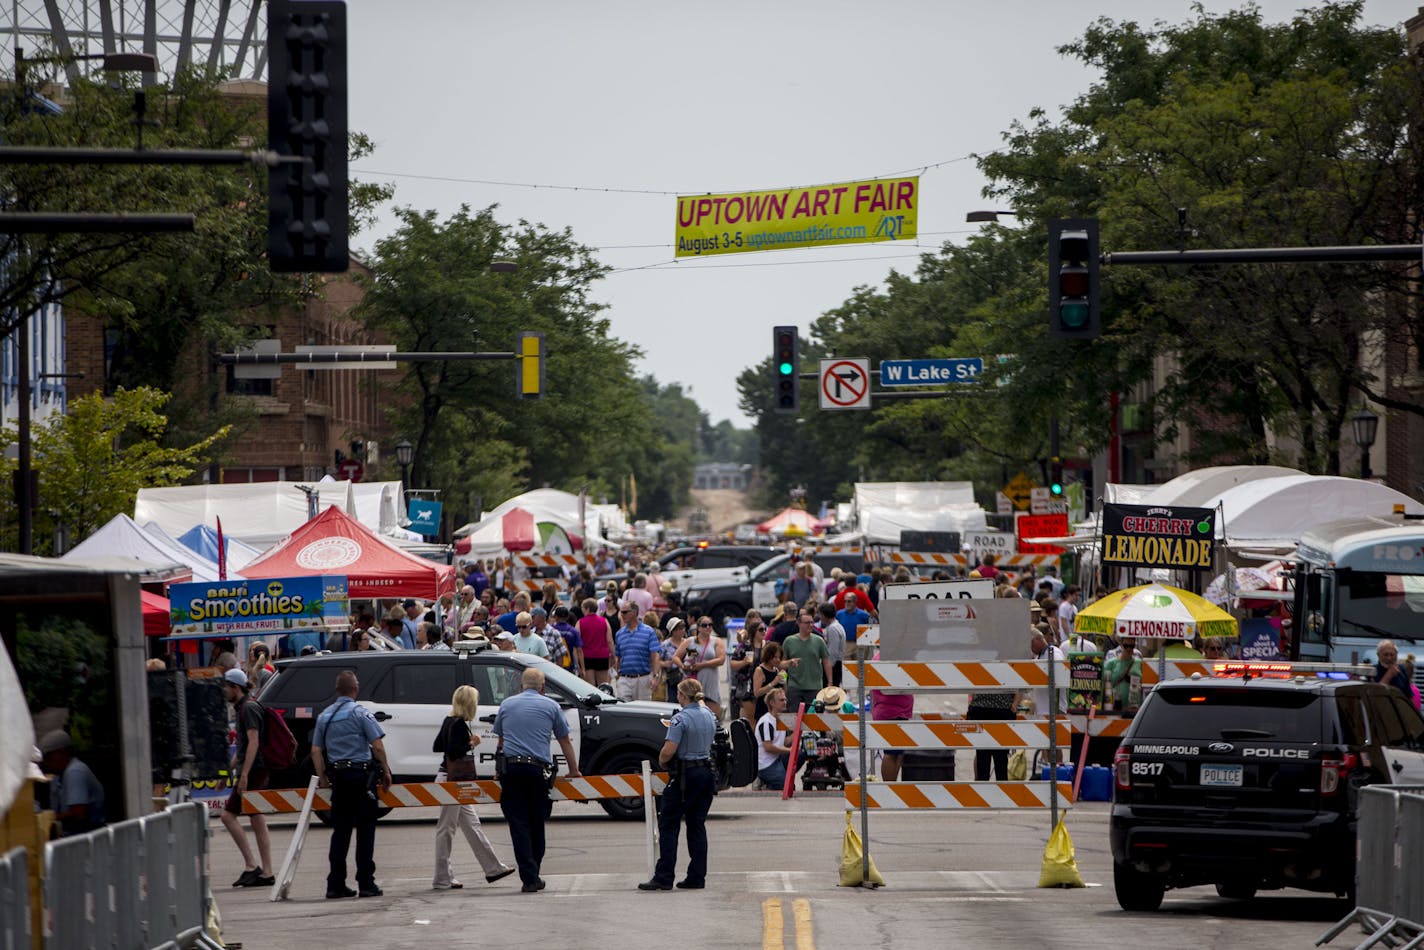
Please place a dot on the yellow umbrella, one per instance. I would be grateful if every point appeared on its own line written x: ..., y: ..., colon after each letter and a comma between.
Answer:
x: 1155, y: 611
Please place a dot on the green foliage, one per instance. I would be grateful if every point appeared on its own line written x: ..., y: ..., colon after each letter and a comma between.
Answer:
x: 62, y: 663
x: 91, y: 461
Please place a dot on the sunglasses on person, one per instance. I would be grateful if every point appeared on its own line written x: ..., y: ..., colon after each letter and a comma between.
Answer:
x: 521, y: 626
x: 708, y: 624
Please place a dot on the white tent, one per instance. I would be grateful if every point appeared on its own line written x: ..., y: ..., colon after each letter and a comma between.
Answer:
x: 154, y: 557
x: 881, y: 510
x: 263, y: 513
x: 545, y: 504
x: 1275, y: 512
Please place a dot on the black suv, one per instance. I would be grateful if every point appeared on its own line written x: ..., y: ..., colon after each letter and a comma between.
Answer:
x: 1253, y: 784
x: 409, y: 692
x: 704, y: 558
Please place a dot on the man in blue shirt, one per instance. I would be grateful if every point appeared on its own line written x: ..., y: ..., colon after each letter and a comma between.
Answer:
x: 851, y: 617
x: 687, y: 754
x: 76, y: 796
x: 637, y: 659
x: 526, y: 723
x: 410, y: 624
x: 350, y: 758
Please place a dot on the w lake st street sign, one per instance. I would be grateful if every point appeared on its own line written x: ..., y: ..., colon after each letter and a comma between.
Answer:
x: 930, y: 372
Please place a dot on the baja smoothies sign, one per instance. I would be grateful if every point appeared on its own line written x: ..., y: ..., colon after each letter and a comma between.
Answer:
x: 239, y: 608
x: 853, y: 212
x: 1154, y: 536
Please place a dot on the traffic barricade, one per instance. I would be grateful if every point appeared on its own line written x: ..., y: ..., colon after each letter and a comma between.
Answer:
x: 15, y: 900
x: 587, y: 788
x: 935, y: 733
x: 1389, y: 846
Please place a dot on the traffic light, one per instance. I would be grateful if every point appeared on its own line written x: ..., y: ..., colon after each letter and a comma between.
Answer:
x: 529, y: 361
x: 1055, y: 478
x: 785, y: 345
x: 306, y: 118
x: 1073, y: 279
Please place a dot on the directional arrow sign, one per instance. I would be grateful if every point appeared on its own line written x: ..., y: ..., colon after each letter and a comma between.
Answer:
x: 845, y: 383
x: 929, y: 372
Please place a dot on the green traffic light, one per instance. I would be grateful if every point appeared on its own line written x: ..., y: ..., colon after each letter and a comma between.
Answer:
x: 1055, y: 488
x: 785, y: 369
x: 1073, y: 315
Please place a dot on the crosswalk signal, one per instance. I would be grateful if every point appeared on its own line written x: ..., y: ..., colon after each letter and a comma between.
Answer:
x: 529, y: 365
x: 306, y: 119
x: 1073, y: 279
x: 785, y: 346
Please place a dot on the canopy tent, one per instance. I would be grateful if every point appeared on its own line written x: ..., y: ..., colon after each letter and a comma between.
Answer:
x: 376, y: 564
x: 335, y: 543
x: 262, y: 513
x: 792, y: 521
x: 155, y: 614
x: 159, y: 558
x: 204, y: 540
x: 881, y: 510
x: 556, y: 507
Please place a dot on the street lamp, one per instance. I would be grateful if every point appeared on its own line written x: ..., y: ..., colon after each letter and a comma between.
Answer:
x: 405, y: 452
x: 1365, y: 424
x: 983, y: 217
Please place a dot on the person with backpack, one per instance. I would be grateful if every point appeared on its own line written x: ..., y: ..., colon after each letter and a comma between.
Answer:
x: 248, y: 773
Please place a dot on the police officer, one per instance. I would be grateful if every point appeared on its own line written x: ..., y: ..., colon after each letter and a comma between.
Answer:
x: 687, y: 753
x: 527, y: 722
x: 350, y: 758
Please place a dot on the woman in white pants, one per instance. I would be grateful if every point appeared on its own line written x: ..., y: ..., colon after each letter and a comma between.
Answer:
x: 457, y: 742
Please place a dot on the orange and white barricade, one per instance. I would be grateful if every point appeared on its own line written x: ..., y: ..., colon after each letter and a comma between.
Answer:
x: 588, y: 788
x: 954, y: 677
x: 955, y: 795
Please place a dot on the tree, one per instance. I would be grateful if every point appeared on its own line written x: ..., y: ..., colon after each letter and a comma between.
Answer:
x: 91, y: 461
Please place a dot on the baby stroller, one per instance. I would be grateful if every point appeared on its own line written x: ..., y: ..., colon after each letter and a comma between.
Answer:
x: 824, y: 752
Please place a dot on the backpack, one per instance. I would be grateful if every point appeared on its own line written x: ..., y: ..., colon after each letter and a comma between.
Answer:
x: 279, y: 746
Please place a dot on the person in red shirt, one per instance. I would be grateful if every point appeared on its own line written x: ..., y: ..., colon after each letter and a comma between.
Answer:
x: 987, y: 568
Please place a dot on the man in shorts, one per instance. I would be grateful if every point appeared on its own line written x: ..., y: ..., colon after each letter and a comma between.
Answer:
x: 248, y: 773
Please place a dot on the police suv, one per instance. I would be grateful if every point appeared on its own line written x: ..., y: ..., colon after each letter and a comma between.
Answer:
x: 1250, y: 782
x: 409, y: 693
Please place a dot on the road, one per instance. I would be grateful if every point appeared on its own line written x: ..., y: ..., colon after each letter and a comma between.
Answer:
x: 953, y: 880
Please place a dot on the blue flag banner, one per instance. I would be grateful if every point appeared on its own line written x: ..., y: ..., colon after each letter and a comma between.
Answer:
x: 424, y: 516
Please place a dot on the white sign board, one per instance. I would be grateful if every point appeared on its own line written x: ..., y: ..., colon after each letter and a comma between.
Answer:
x: 1003, y: 503
x: 989, y: 542
x: 1042, y: 502
x: 844, y: 383
x: 964, y: 588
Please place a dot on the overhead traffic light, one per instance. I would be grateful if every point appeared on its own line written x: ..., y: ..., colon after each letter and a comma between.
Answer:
x: 785, y: 344
x: 1055, y: 478
x: 529, y: 363
x: 1073, y: 311
x: 306, y: 119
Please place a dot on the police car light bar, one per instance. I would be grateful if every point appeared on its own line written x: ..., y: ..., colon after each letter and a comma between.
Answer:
x: 1285, y: 670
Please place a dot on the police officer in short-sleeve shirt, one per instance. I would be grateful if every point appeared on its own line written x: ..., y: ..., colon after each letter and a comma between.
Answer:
x: 349, y: 756
x: 687, y: 753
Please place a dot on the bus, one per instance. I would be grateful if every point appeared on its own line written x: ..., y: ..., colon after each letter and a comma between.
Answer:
x: 1357, y: 582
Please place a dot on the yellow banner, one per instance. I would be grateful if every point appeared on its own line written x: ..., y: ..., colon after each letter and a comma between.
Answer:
x: 856, y: 212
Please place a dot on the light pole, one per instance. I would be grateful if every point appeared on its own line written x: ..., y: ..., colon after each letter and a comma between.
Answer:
x: 1365, y: 424
x: 405, y: 452
x: 986, y: 217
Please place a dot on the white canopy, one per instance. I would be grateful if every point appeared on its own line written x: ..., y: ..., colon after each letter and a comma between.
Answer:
x: 152, y: 556
x: 881, y: 510
x: 545, y: 504
x: 263, y: 513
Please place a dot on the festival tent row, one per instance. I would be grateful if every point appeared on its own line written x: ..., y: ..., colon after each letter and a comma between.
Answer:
x: 204, y: 540
x: 334, y: 543
x: 546, y: 508
x: 879, y: 511
x: 262, y: 513
x: 156, y: 557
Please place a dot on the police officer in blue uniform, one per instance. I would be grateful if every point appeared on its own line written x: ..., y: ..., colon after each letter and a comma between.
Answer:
x: 350, y: 758
x: 526, y: 723
x: 687, y: 754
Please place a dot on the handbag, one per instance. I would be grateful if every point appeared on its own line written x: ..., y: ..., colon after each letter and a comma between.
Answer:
x: 457, y: 768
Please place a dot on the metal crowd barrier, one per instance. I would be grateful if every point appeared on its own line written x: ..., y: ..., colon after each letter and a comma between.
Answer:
x: 140, y: 883
x: 15, y: 901
x: 1389, y: 903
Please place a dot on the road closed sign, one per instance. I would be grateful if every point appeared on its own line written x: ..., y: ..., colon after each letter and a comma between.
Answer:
x: 845, y: 383
x: 989, y: 542
x: 1040, y: 526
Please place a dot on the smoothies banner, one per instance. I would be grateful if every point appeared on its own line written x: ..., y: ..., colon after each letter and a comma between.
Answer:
x: 1154, y: 536
x: 258, y: 607
x: 855, y: 212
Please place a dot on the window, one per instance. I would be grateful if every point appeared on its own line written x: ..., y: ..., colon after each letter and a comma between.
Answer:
x: 715, y: 559
x: 1224, y: 713
x: 496, y: 681
x: 1409, y: 719
x: 309, y: 685
x: 421, y: 684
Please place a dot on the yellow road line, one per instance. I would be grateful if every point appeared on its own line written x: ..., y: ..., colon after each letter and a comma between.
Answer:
x: 805, y: 934
x: 771, y: 935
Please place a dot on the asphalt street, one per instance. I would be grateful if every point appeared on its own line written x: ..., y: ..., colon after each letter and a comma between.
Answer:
x: 954, y: 879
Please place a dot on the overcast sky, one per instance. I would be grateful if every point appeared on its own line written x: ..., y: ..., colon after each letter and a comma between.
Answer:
x: 614, y: 108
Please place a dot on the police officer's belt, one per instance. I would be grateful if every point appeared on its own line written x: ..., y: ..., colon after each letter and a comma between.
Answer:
x: 695, y: 763
x: 524, y: 760
x: 361, y: 764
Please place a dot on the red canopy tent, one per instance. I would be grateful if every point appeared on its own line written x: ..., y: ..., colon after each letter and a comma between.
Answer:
x: 518, y: 526
x: 803, y: 521
x: 335, y: 543
x: 155, y: 614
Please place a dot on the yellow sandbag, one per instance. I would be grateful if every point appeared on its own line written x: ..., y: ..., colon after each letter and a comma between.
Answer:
x: 1060, y: 869
x: 852, y: 859
x: 1018, y: 765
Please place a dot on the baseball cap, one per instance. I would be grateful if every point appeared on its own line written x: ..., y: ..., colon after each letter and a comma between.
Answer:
x: 538, y: 612
x: 506, y: 635
x: 55, y: 740
x: 236, y: 678
x: 409, y: 603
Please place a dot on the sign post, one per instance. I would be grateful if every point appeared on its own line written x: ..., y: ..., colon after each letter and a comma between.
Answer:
x: 845, y: 383
x: 351, y: 470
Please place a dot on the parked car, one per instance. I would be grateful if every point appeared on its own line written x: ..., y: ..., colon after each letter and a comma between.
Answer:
x: 1253, y: 784
x: 409, y: 693
x: 723, y: 599
x: 707, y: 564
